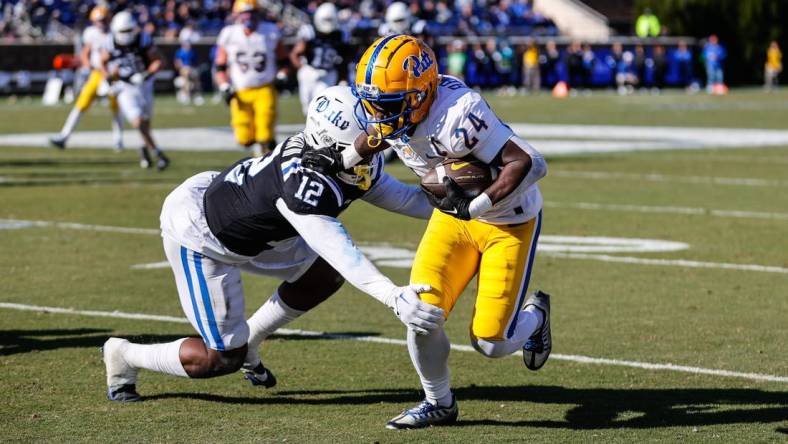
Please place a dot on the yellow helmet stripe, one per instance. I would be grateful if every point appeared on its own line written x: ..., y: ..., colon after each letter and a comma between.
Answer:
x: 374, y: 56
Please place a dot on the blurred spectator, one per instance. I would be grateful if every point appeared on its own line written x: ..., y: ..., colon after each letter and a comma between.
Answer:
x: 187, y: 81
x: 549, y: 64
x: 683, y: 58
x: 641, y: 62
x: 502, y: 56
x: 626, y: 78
x: 647, y: 25
x: 189, y: 33
x: 773, y: 67
x: 456, y: 59
x: 574, y: 64
x: 660, y: 67
x: 532, y: 81
x: 713, y: 56
x: 589, y: 61
x: 612, y: 60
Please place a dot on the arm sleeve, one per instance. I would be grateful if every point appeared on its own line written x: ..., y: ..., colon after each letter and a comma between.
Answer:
x: 328, y: 237
x: 392, y: 195
x: 538, y: 165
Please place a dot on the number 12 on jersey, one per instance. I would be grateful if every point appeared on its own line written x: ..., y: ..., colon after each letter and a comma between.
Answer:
x: 309, y: 191
x: 478, y: 125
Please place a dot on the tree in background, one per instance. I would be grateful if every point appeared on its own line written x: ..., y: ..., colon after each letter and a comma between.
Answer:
x: 745, y: 27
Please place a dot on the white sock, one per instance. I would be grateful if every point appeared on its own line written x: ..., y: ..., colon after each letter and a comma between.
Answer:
x: 117, y: 130
x: 528, y: 321
x: 71, y: 123
x: 162, y: 358
x: 430, y: 355
x: 264, y: 322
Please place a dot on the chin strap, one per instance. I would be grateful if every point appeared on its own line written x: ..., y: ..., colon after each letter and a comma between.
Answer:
x: 373, y: 141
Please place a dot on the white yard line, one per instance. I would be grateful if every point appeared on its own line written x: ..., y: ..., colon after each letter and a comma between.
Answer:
x: 550, y: 139
x: 708, y: 180
x: 18, y: 223
x: 697, y: 211
x: 378, y: 340
x: 672, y: 262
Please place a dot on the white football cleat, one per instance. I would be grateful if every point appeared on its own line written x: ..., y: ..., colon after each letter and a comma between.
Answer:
x: 121, y: 377
x: 537, y: 349
x: 424, y: 415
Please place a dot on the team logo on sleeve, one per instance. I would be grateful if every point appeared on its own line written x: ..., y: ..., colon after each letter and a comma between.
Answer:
x: 417, y: 66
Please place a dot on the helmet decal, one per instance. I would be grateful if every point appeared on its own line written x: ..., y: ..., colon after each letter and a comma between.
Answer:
x: 416, y: 66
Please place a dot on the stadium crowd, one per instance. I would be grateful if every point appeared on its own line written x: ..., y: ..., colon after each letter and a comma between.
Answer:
x: 58, y: 20
x: 489, y: 61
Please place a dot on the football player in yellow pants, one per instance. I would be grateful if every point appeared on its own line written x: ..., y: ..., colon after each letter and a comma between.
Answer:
x: 451, y: 253
x: 246, y: 55
x: 94, y: 39
x: 253, y: 113
x: 428, y: 119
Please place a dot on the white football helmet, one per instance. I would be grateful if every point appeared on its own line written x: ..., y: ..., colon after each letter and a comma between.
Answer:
x: 124, y: 28
x: 325, y: 18
x: 398, y: 18
x: 331, y: 123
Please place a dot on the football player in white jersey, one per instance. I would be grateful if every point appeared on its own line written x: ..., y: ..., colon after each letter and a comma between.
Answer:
x: 130, y: 61
x: 321, y: 54
x: 427, y: 119
x: 273, y: 217
x: 246, y: 56
x: 95, y: 38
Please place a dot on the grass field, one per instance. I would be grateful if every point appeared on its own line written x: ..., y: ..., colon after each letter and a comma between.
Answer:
x: 719, y: 304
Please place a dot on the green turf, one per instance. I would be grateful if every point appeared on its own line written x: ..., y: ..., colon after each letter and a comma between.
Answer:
x: 52, y: 377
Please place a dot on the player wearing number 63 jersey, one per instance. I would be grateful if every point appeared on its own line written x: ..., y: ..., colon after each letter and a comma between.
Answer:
x: 274, y: 217
x: 246, y: 56
x: 427, y: 119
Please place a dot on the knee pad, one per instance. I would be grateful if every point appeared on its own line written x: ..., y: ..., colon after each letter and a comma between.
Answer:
x: 491, y: 348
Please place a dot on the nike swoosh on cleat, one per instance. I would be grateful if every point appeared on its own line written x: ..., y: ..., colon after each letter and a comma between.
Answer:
x: 458, y: 166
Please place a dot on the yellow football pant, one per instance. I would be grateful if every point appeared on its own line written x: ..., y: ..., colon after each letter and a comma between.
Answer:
x: 89, y: 93
x: 452, y: 251
x: 253, y: 114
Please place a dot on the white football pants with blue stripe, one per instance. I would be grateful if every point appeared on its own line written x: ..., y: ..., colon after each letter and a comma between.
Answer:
x: 211, y: 295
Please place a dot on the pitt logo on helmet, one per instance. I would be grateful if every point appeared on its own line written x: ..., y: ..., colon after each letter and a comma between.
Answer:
x: 395, y: 85
x: 418, y: 66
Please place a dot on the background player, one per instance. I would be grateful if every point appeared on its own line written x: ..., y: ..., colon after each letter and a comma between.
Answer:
x: 249, y: 49
x: 427, y: 118
x: 268, y: 216
x: 95, y: 38
x: 131, y: 61
x: 321, y: 55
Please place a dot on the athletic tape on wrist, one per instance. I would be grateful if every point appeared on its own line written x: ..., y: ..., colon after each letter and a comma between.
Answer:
x: 350, y: 158
x: 479, y: 205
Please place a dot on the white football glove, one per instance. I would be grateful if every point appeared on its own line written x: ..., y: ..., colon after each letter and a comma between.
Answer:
x: 137, y: 78
x: 417, y: 315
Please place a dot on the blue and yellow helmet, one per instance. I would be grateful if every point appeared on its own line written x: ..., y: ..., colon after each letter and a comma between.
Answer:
x: 395, y: 84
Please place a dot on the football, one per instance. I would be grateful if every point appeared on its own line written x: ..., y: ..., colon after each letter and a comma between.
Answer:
x: 472, y: 175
